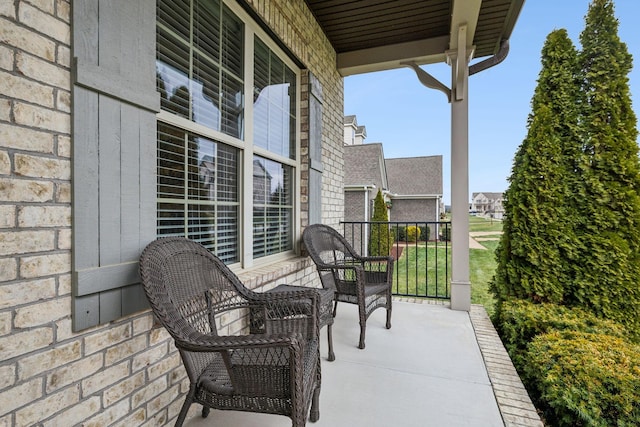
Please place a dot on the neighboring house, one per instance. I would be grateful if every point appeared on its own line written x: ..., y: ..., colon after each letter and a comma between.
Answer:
x: 415, y: 184
x: 411, y: 186
x: 353, y: 134
x: 122, y: 121
x: 489, y: 204
x: 364, y: 175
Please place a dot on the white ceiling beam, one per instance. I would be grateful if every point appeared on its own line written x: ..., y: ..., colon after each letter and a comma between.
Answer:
x: 465, y: 12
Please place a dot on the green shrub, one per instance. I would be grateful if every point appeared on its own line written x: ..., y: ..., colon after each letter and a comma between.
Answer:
x: 425, y: 232
x: 520, y: 321
x: 381, y: 239
x: 413, y: 234
x: 399, y: 233
x: 583, y: 379
x: 445, y: 234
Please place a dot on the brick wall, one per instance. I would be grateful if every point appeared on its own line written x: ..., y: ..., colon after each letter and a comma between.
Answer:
x: 354, y: 210
x: 416, y: 210
x: 127, y: 373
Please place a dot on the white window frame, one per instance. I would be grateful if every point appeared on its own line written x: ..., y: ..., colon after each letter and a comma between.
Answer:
x: 247, y: 148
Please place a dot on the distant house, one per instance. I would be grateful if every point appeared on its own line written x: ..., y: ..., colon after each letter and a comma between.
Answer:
x: 416, y: 189
x: 365, y: 174
x: 489, y: 204
x: 412, y: 186
x: 353, y: 134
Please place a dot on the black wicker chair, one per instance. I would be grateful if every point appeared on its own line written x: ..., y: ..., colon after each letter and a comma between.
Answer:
x: 273, y: 369
x: 365, y: 281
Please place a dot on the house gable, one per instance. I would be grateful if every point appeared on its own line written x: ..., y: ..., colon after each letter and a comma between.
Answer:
x: 365, y: 165
x: 415, y: 176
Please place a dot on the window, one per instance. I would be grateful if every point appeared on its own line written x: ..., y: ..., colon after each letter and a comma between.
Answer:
x: 274, y: 130
x: 201, y: 81
x: 198, y: 190
x: 272, y: 207
x: 274, y: 103
x: 208, y: 57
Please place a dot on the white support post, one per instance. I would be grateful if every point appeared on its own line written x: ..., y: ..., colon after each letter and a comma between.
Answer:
x: 460, y: 283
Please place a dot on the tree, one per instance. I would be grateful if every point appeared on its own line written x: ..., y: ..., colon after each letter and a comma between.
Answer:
x: 538, y: 242
x: 608, y: 281
x: 381, y: 239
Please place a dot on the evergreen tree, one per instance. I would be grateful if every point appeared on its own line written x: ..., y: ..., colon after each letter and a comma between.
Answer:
x: 538, y: 242
x: 381, y: 239
x: 609, y: 277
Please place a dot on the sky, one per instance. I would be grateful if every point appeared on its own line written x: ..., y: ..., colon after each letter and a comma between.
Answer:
x: 411, y: 120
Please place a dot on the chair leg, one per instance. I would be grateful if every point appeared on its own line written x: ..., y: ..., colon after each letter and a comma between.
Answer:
x: 388, y: 318
x: 363, y: 328
x: 331, y: 357
x: 185, y: 406
x: 335, y: 308
x: 205, y: 411
x: 314, y: 415
x: 363, y: 323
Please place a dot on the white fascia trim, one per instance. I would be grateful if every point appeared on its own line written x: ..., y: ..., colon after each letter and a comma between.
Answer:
x: 416, y: 196
x: 359, y: 187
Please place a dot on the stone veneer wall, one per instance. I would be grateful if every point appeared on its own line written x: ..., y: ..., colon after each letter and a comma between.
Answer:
x: 127, y: 373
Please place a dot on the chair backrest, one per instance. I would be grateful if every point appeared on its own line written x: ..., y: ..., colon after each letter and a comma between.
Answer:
x: 326, y: 246
x: 187, y: 285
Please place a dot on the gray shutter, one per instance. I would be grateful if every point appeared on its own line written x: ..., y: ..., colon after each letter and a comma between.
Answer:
x: 114, y: 155
x: 315, y: 150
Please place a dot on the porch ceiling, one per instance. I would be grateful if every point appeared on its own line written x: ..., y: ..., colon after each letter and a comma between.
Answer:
x: 374, y: 35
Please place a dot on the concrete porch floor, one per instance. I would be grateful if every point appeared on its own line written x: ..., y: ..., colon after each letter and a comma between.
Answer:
x: 432, y: 368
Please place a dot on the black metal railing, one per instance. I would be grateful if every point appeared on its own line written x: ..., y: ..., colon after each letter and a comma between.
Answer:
x: 422, y: 252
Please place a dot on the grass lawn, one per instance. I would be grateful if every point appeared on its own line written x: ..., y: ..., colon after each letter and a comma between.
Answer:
x: 424, y: 266
x: 477, y: 223
x: 482, y: 265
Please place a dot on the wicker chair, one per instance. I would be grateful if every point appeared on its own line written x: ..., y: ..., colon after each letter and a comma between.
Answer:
x: 274, y: 369
x: 365, y: 281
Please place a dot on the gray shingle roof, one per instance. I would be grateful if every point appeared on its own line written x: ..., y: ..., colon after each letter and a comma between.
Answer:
x: 491, y: 196
x: 415, y: 175
x: 364, y: 164
x: 350, y: 120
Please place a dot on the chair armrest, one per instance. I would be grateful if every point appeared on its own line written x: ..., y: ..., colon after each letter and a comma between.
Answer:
x: 376, y: 258
x: 343, y: 266
x: 210, y: 343
x: 283, y: 298
x: 387, y: 259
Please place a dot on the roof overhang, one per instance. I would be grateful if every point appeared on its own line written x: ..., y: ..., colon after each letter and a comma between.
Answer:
x: 376, y: 35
